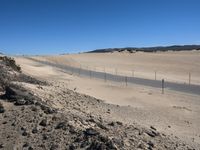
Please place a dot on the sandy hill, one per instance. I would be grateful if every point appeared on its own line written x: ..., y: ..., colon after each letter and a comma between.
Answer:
x: 172, y: 113
x: 39, y: 114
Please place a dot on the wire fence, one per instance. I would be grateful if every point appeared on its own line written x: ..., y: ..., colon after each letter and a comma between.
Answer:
x: 108, y: 77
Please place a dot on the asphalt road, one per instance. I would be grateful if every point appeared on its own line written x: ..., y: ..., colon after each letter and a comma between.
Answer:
x: 186, y: 88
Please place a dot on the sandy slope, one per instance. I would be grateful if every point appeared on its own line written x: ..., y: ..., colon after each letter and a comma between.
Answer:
x: 172, y: 113
x: 36, y: 114
x: 172, y: 66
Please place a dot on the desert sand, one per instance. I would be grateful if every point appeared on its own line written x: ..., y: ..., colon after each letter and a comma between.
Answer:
x: 173, y: 113
x: 171, y: 66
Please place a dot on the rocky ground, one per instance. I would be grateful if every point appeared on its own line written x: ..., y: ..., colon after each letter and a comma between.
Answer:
x: 38, y: 114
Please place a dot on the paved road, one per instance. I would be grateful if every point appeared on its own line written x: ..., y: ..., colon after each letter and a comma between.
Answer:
x: 192, y: 89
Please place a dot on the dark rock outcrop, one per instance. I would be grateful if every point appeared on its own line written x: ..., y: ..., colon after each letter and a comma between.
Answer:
x: 2, y: 110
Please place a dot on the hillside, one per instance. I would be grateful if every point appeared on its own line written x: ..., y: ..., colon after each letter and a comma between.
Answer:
x: 39, y: 114
x: 149, y: 49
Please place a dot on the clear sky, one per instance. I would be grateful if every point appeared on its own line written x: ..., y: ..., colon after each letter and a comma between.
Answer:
x: 64, y: 26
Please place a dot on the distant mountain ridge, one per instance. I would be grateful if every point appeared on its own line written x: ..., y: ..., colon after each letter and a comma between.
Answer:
x: 149, y: 49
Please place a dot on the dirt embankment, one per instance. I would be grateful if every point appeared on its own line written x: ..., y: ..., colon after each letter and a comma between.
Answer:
x: 32, y: 117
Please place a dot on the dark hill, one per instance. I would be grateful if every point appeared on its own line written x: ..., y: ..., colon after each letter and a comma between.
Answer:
x: 149, y: 49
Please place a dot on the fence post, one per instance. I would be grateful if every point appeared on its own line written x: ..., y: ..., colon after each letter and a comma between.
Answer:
x: 90, y: 74
x: 126, y: 80
x: 189, y: 78
x: 79, y: 71
x: 72, y: 70
x: 104, y: 76
x: 163, y: 86
x: 155, y: 75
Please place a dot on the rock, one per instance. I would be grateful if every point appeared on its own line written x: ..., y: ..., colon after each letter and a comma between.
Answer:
x: 10, y: 93
x: 151, y: 144
x: 91, y: 132
x: 43, y: 123
x: 13, y: 124
x: 102, y: 143
x: 72, y: 129
x: 30, y: 148
x: 111, y: 124
x: 2, y: 110
x: 1, y: 146
x: 61, y: 125
x: 108, y: 111
x: 72, y: 147
x: 40, y: 87
x: 18, y: 95
x: 115, y: 123
x: 97, y: 146
x: 91, y: 120
x: 55, y: 118
x: 26, y: 145
x: 153, y: 128
x: 34, y: 108
x: 79, y: 139
x: 119, y: 123
x: 47, y: 109
x: 100, y: 125
x: 20, y: 102
x: 24, y: 133
x: 84, y: 144
x: 45, y: 137
x: 142, y: 146
x: 54, y: 147
x: 35, y: 130
x: 112, y: 145
x: 152, y: 133
x: 118, y: 141
x: 5, y: 122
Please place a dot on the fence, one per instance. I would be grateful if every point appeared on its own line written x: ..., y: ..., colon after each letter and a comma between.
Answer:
x: 187, y: 88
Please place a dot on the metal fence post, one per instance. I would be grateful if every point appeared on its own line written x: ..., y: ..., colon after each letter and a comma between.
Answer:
x: 90, y: 74
x: 189, y: 78
x: 126, y: 80
x: 104, y: 76
x: 79, y: 71
x: 163, y: 86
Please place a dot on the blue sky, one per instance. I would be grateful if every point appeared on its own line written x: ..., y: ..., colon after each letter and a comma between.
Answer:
x: 67, y: 26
